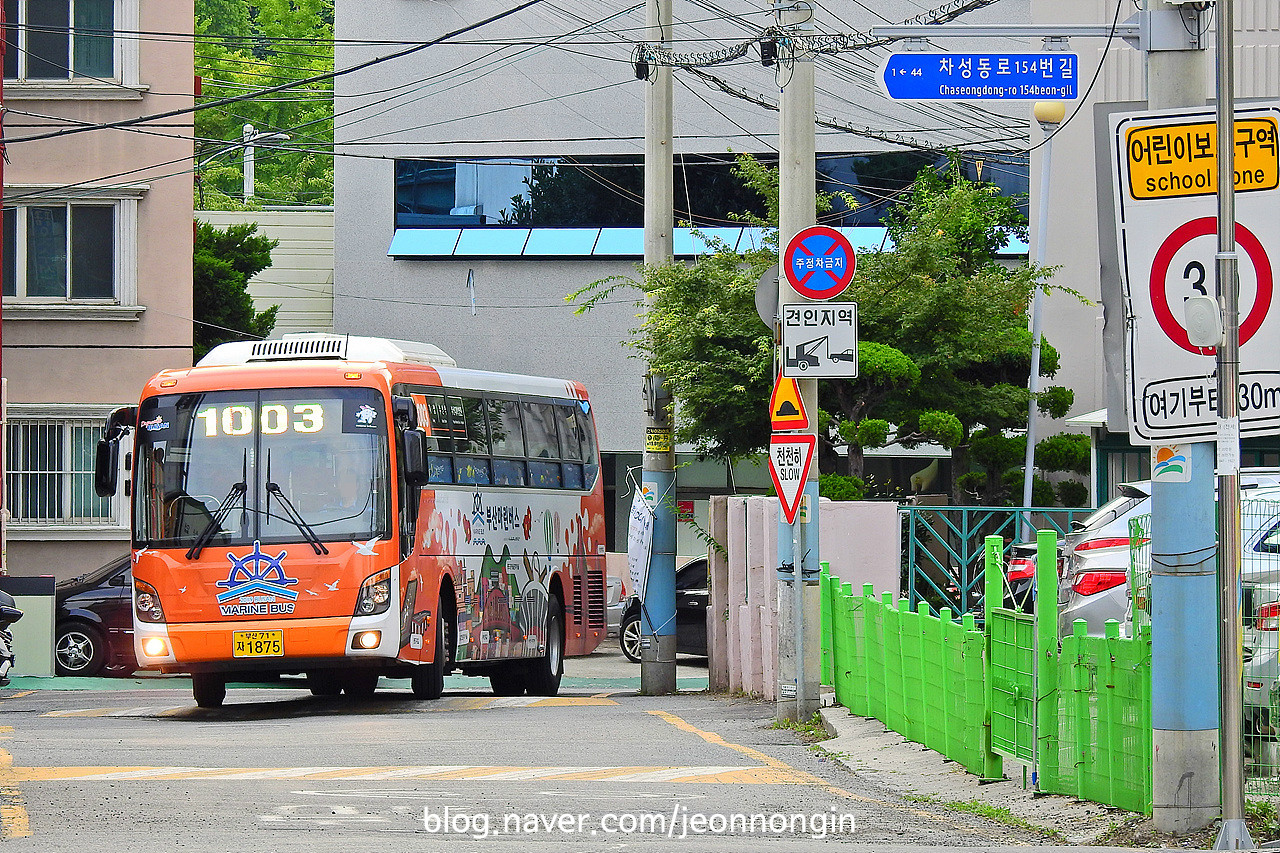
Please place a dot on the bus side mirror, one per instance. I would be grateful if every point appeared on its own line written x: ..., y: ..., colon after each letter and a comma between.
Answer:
x: 105, y: 466
x: 415, y: 458
x: 405, y: 412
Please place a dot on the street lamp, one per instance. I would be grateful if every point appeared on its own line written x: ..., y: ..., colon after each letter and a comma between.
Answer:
x: 1049, y: 114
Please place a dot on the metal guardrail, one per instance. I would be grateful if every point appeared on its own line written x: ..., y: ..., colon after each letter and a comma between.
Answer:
x: 943, y: 548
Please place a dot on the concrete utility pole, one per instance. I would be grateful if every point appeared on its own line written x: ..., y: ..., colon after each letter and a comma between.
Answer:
x: 1184, y: 696
x: 658, y: 615
x: 1234, y: 834
x: 799, y: 631
x: 251, y: 137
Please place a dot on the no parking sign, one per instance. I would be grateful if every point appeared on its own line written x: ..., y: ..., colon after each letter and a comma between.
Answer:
x: 819, y: 262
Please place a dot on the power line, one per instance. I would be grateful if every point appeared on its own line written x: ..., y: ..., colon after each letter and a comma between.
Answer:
x: 284, y: 86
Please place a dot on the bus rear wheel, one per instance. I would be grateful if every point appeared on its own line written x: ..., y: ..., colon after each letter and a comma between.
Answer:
x: 543, y: 674
x: 428, y: 678
x: 209, y: 689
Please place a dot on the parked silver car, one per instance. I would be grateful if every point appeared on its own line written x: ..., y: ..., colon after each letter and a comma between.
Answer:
x: 615, y: 603
x: 1095, y: 555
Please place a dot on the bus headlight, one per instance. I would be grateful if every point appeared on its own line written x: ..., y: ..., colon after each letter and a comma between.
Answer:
x: 146, y: 602
x: 375, y: 594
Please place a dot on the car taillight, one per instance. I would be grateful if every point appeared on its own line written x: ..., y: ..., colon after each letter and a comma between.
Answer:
x: 1267, y: 618
x: 1021, y: 568
x: 1094, y: 544
x: 1091, y: 583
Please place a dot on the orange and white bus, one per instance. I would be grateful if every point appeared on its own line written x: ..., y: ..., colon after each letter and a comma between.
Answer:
x: 351, y: 508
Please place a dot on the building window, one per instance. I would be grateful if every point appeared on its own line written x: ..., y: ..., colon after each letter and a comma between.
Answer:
x: 49, y: 473
x: 60, y: 252
x: 59, y: 39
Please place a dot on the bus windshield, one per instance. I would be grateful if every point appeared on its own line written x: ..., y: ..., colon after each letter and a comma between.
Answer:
x: 274, y: 466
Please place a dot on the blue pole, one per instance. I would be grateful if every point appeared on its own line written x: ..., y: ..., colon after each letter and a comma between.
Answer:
x: 1184, y: 648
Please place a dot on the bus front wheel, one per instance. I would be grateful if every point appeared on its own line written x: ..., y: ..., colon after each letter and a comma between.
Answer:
x: 428, y: 678
x: 209, y: 689
x: 544, y: 673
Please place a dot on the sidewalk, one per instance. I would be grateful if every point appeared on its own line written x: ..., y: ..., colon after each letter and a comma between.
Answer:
x: 865, y: 746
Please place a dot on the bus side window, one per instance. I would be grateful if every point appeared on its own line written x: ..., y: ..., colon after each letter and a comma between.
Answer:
x: 439, y: 425
x: 545, y: 475
x: 509, y: 472
x: 474, y: 438
x: 472, y: 470
x: 439, y: 468
x: 570, y: 433
x: 540, y: 437
x: 505, y: 429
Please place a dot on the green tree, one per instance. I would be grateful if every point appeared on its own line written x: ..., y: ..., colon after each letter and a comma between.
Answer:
x: 943, y: 342
x: 223, y: 263
x: 242, y: 47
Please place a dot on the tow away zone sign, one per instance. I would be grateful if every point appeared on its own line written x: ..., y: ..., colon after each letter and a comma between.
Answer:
x: 789, y: 459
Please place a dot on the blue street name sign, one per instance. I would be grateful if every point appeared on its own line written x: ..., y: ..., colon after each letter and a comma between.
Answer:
x: 981, y: 76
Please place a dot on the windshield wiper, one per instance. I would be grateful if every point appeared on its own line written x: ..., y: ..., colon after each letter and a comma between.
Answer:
x: 308, y: 532
x: 238, y: 490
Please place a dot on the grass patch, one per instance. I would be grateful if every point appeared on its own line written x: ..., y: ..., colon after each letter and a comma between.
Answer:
x: 997, y: 814
x: 810, y: 731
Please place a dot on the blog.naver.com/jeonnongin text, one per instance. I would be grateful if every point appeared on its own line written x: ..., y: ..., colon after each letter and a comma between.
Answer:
x: 677, y: 823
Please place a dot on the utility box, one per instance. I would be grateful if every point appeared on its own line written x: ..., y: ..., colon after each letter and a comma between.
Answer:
x: 33, y: 633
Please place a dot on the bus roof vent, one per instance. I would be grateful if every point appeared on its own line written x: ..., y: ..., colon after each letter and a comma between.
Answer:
x: 297, y: 346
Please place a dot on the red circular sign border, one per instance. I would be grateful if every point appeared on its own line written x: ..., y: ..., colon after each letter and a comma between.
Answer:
x: 1160, y: 267
x: 839, y: 240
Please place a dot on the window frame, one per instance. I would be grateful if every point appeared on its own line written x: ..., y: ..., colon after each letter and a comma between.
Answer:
x: 116, y: 523
x: 123, y: 82
x: 571, y: 475
x: 124, y: 304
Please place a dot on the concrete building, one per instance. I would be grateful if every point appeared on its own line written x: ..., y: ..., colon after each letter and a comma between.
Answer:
x: 300, y: 278
x: 440, y: 151
x: 97, y: 254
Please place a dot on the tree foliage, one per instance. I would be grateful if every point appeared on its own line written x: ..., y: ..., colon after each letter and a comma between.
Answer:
x: 243, y: 46
x: 223, y: 263
x: 944, y: 349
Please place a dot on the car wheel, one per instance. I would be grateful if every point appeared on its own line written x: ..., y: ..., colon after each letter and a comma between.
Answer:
x: 543, y: 678
x: 80, y: 650
x: 629, y: 638
x: 209, y: 689
x: 428, y: 678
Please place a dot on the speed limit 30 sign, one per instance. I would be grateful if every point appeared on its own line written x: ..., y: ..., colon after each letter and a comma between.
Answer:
x: 1167, y: 232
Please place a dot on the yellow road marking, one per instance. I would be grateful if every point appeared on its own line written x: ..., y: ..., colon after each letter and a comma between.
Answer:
x: 493, y: 773
x: 800, y: 777
x: 14, y: 822
x: 20, y: 694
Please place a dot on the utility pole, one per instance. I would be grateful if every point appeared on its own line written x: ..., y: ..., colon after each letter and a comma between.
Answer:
x: 799, y: 631
x: 658, y: 613
x: 1184, y: 698
x: 1234, y: 834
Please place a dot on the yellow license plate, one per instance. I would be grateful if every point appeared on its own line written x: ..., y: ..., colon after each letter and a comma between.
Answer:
x: 257, y: 644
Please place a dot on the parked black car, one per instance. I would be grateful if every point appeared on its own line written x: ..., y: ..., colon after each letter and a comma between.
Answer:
x: 94, y: 622
x: 693, y: 595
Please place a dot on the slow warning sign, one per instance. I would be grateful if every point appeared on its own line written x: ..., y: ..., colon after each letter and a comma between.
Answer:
x: 786, y: 409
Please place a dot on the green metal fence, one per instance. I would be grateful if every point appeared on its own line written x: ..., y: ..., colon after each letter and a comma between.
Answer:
x: 1079, y: 715
x: 922, y: 675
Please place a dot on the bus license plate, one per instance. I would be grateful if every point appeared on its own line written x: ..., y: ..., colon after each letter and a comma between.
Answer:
x: 257, y: 644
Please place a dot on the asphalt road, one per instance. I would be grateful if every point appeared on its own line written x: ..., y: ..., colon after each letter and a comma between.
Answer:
x: 132, y: 764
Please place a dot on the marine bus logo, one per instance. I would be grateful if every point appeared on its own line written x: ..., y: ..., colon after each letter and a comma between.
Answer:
x: 256, y: 572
